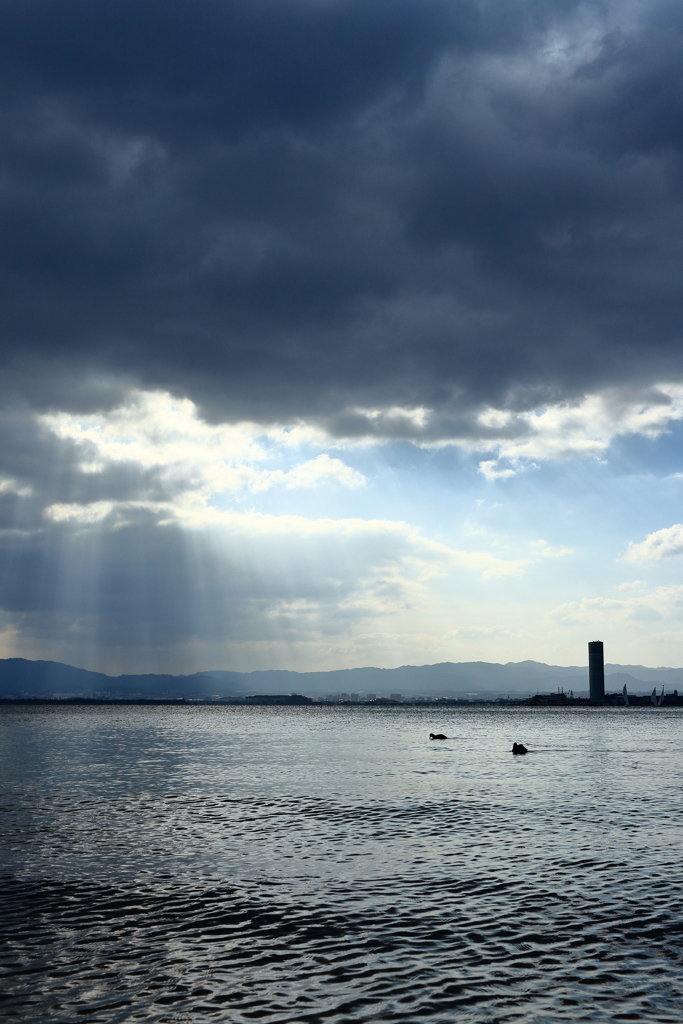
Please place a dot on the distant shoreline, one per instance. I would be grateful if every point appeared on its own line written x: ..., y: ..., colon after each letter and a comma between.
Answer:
x: 276, y: 701
x: 612, y: 701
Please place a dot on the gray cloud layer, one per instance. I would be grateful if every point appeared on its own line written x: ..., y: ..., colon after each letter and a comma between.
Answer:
x: 327, y: 210
x: 290, y: 209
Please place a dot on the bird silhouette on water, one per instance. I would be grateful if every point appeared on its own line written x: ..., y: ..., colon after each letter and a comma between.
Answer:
x: 437, y: 736
x: 518, y: 748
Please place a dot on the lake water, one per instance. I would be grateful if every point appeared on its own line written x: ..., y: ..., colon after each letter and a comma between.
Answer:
x: 334, y: 865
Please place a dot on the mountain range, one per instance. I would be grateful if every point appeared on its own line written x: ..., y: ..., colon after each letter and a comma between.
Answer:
x: 21, y: 677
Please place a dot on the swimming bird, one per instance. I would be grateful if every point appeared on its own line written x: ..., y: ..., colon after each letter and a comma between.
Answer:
x: 437, y: 736
x: 518, y: 748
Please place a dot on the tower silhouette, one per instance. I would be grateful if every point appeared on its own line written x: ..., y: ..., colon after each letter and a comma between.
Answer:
x: 596, y: 672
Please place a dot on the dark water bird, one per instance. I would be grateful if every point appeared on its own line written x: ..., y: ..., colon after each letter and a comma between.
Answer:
x: 437, y: 736
x: 518, y: 748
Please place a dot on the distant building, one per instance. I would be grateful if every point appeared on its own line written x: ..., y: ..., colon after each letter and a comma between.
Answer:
x: 355, y: 696
x: 371, y: 696
x: 596, y: 672
x: 559, y: 698
x: 395, y: 696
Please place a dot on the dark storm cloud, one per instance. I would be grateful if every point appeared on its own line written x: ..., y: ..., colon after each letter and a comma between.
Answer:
x: 297, y: 209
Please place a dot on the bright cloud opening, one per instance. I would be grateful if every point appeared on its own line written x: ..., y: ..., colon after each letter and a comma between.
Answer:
x: 192, y: 459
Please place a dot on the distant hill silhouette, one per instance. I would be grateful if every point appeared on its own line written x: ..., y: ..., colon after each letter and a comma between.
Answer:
x: 21, y: 677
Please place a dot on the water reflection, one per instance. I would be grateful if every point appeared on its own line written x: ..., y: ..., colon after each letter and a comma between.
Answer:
x: 313, y: 864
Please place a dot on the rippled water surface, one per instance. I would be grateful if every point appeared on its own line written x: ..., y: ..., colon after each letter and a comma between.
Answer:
x: 307, y: 864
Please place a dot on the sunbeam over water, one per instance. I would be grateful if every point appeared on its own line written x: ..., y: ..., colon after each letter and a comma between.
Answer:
x: 329, y: 864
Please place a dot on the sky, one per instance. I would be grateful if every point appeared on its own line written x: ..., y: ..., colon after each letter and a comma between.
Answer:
x: 340, y: 332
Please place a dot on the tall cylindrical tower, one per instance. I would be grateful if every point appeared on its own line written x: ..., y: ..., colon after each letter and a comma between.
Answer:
x: 596, y: 672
